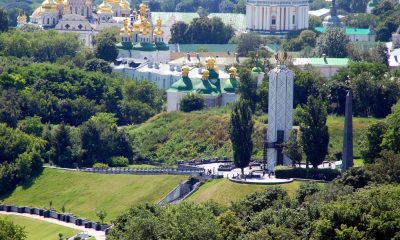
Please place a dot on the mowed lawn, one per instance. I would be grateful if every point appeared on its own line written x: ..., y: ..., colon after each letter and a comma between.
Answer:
x: 84, y: 193
x: 40, y: 230
x: 224, y: 191
x: 336, y: 126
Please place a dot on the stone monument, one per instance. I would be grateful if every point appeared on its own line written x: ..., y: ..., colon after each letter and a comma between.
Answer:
x: 347, y: 154
x: 280, y: 111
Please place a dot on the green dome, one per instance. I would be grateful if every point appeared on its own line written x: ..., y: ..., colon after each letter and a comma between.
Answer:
x: 205, y: 87
x: 183, y: 84
x: 213, y: 74
x: 257, y: 70
x: 231, y: 85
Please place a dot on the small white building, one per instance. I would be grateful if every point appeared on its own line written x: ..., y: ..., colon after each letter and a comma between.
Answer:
x: 326, y: 66
x: 277, y: 16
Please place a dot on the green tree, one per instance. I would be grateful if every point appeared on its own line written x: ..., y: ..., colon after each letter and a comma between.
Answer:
x: 372, y: 147
x: 32, y: 125
x: 353, y: 6
x: 248, y: 42
x: 11, y: 231
x: 92, y: 145
x: 308, y: 83
x: 314, y: 132
x: 10, y: 107
x: 101, y: 214
x: 293, y: 149
x: 63, y: 147
x: 96, y: 64
x: 240, y: 7
x: 179, y: 33
x: 191, y: 102
x: 105, y: 44
x: 230, y: 227
x: 226, y: 6
x: 3, y: 20
x: 333, y: 42
x: 241, y: 129
x: 248, y: 88
x: 391, y: 139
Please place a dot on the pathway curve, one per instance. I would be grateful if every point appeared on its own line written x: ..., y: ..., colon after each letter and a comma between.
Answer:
x: 99, y: 235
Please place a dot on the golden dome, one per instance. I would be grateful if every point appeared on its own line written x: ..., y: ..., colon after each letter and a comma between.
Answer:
x: 205, y: 74
x: 113, y: 2
x: 59, y: 2
x: 21, y: 19
x: 125, y: 5
x: 210, y: 63
x: 136, y: 26
x: 126, y: 30
x: 158, y: 30
x: 104, y: 7
x: 49, y: 6
x: 232, y: 72
x: 142, y: 9
x: 145, y: 26
x: 185, y: 71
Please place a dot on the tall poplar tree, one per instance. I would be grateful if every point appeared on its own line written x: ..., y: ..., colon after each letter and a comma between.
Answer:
x: 241, y: 129
x: 314, y: 132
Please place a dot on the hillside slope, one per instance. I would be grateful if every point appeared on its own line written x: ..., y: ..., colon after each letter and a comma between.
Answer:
x: 84, y: 193
x: 168, y: 137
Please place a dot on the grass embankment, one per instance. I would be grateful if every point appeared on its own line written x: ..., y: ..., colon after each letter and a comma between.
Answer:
x: 171, y: 136
x: 84, y: 193
x: 40, y: 230
x: 336, y: 125
x: 224, y: 191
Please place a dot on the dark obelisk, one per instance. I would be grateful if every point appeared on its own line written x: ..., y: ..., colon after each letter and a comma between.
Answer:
x: 347, y: 158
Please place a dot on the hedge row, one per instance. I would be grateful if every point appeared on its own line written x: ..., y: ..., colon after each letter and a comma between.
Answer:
x: 311, y: 173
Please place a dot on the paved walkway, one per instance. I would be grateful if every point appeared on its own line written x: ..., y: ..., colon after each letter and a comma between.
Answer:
x: 99, y: 235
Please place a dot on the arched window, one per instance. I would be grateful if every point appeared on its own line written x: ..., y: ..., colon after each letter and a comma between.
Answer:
x: 54, y: 21
x: 273, y: 20
x: 48, y: 21
x: 294, y: 19
x: 76, y: 10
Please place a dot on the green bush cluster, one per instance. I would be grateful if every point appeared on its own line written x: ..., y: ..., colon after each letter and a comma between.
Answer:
x: 311, y: 173
x: 20, y: 157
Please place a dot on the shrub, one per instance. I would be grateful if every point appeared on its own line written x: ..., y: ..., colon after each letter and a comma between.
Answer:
x: 100, y: 165
x: 192, y: 102
x: 119, y: 162
x: 311, y: 173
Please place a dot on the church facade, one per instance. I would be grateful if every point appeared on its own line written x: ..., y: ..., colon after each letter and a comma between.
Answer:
x: 277, y: 16
x: 85, y: 19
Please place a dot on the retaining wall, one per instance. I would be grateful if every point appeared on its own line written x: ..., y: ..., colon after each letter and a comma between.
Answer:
x: 63, y: 217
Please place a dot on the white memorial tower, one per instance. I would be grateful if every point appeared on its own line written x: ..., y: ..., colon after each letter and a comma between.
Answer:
x: 280, y: 112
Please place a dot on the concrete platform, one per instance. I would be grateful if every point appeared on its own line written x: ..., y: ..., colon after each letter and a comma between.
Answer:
x: 262, y: 181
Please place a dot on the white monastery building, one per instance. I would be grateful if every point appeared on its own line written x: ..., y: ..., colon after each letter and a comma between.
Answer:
x: 277, y: 16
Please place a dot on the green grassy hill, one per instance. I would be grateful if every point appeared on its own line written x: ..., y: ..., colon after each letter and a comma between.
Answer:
x: 171, y: 136
x: 84, y: 193
x: 224, y: 191
x: 40, y: 230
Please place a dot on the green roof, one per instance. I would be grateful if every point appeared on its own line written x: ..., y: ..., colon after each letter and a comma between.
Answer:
x: 348, y: 30
x: 208, y: 47
x: 231, y: 85
x: 330, y: 61
x: 209, y: 87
